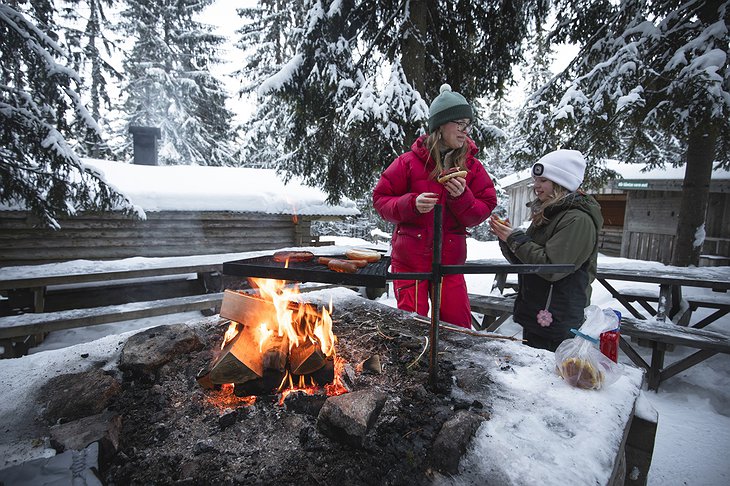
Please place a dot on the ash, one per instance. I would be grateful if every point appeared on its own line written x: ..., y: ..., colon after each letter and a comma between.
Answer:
x: 174, y: 432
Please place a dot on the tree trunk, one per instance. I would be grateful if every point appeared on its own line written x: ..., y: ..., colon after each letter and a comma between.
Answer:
x: 695, y: 197
x: 413, y: 48
x: 413, y: 57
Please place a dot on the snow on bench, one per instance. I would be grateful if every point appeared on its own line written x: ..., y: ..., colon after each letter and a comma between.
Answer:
x: 716, y: 300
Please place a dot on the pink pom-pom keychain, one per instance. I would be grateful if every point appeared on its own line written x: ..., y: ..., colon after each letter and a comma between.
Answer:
x: 544, y: 317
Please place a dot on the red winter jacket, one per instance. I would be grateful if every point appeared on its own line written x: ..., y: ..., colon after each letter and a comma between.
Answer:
x: 394, y: 197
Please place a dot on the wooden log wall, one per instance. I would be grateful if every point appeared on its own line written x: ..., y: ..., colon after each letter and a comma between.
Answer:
x: 651, y: 224
x: 162, y: 234
x: 609, y: 241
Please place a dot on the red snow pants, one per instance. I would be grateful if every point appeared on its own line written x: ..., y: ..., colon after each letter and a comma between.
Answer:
x: 415, y: 296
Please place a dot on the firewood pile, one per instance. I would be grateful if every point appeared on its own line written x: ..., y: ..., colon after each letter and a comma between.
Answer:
x: 390, y: 428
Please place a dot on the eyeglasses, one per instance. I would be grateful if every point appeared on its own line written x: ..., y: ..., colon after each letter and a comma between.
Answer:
x: 463, y: 126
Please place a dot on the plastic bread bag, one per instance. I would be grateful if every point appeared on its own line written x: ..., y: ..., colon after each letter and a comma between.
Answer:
x: 579, y: 361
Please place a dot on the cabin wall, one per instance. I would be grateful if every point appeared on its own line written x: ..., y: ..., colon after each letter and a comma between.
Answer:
x: 651, y: 224
x: 519, y: 195
x: 163, y: 234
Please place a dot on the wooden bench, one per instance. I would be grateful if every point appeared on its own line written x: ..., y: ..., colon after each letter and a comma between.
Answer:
x: 660, y: 335
x: 719, y: 301
x: 32, y: 324
x: 495, y: 308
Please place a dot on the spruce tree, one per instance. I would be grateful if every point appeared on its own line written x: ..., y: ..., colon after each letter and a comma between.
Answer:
x: 352, y: 89
x: 650, y: 85
x: 87, y: 35
x: 169, y: 84
x: 39, y: 101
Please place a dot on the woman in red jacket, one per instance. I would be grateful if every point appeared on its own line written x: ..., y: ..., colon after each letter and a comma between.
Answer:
x: 407, y: 192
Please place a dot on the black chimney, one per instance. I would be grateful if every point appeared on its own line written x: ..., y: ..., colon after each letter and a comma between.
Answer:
x: 145, y: 144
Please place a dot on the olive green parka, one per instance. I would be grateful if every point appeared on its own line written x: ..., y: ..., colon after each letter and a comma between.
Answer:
x: 569, y: 236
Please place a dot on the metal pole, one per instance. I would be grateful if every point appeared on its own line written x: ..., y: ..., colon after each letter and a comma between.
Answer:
x: 435, y: 295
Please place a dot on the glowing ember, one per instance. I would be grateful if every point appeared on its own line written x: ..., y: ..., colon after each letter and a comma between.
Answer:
x: 225, y: 399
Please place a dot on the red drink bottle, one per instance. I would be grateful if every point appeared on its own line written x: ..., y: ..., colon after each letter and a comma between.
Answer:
x: 609, y: 341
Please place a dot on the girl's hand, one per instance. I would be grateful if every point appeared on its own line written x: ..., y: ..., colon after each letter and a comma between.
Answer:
x: 455, y: 186
x: 500, y: 228
x: 426, y: 201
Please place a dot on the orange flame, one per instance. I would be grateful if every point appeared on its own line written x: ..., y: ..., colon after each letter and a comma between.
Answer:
x: 230, y: 333
x: 337, y: 387
x: 298, y: 323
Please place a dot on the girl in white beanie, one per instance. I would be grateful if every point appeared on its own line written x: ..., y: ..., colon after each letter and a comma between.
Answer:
x: 564, y: 229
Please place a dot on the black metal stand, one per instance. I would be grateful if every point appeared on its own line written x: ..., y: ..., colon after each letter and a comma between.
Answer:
x: 435, y: 295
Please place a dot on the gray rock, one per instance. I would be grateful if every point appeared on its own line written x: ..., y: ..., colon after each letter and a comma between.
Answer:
x: 147, y: 351
x: 452, y: 440
x: 472, y: 381
x: 348, y: 418
x: 74, y: 396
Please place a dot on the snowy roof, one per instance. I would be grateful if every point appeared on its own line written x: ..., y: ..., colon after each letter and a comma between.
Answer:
x: 627, y: 172
x: 205, y: 188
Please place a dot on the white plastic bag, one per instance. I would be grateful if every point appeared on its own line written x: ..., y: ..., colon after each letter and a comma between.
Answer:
x: 579, y: 361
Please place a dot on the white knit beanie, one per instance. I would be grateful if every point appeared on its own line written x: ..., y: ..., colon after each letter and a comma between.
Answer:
x: 563, y: 167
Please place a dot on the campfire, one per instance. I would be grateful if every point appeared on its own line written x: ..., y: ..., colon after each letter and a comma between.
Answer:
x: 275, y: 343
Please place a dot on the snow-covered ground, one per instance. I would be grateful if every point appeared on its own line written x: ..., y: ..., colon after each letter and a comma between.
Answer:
x: 694, y: 406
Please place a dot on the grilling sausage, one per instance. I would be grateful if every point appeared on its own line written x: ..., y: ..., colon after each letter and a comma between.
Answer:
x: 358, y: 263
x: 342, y: 266
x: 369, y: 256
x: 293, y: 256
x: 327, y: 260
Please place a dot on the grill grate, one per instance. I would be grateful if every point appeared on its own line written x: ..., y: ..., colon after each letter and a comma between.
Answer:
x: 372, y: 275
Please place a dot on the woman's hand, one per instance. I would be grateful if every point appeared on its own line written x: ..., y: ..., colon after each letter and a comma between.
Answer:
x: 426, y: 201
x: 500, y: 228
x: 455, y: 186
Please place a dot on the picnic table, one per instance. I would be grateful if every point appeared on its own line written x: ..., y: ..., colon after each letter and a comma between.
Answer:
x: 37, y: 278
x: 668, y: 300
x: 670, y: 314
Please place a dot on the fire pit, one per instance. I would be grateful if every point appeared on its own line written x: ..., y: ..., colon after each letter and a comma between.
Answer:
x: 177, y: 430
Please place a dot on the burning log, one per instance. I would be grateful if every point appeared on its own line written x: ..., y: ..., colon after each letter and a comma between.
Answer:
x: 277, y: 349
x: 266, y: 385
x: 274, y: 381
x: 239, y: 361
x: 258, y: 359
x: 325, y: 374
x: 306, y: 358
x: 240, y: 307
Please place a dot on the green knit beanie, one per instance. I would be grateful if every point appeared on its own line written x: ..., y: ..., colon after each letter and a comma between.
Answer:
x: 448, y: 106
